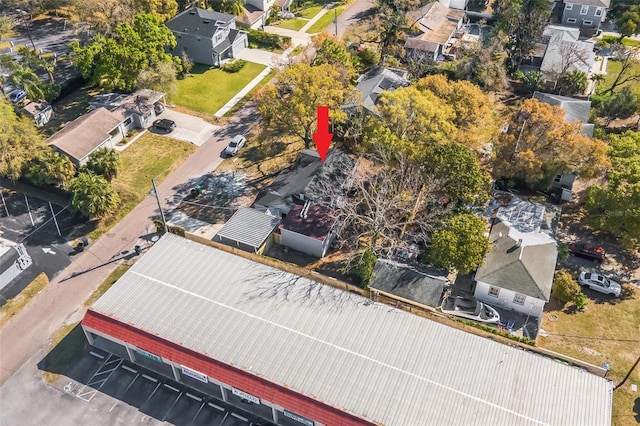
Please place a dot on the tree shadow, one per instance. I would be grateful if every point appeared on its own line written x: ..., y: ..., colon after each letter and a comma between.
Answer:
x: 636, y: 409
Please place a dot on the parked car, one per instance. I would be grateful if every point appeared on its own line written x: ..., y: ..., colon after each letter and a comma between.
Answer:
x: 17, y: 95
x: 587, y: 251
x: 471, y: 309
x: 599, y: 283
x: 234, y: 146
x: 164, y: 124
x: 158, y: 108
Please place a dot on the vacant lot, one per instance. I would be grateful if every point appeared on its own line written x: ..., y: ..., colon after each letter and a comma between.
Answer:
x: 607, y: 332
x: 208, y: 89
x: 151, y: 156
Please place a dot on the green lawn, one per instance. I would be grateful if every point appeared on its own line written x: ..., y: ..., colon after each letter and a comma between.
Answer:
x: 208, y: 89
x: 626, y: 41
x: 150, y: 156
x: 312, y: 11
x: 248, y: 96
x: 613, y: 68
x: 325, y: 20
x: 294, y: 24
x: 605, y: 332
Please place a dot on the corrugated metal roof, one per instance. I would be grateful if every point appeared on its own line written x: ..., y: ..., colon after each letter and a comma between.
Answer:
x: 248, y: 226
x: 378, y: 362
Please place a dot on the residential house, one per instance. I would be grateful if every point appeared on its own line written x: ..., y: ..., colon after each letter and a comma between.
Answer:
x: 585, y: 14
x: 41, y: 112
x: 136, y: 110
x: 309, y: 229
x: 97, y: 129
x: 517, y: 273
x: 307, y: 179
x: 409, y: 283
x: 249, y: 230
x: 377, y: 80
x: 455, y: 4
x: 435, y: 25
x: 574, y: 109
x: 256, y: 12
x: 207, y: 37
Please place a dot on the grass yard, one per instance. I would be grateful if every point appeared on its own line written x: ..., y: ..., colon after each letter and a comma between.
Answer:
x: 613, y: 68
x: 248, y: 96
x: 208, y: 89
x: 294, y: 24
x: 625, y: 41
x: 13, y: 306
x: 604, y: 333
x: 108, y: 282
x: 326, y: 20
x: 312, y: 11
x: 150, y: 156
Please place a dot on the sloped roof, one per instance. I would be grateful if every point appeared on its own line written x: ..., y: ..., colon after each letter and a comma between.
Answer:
x: 437, y: 23
x: 376, y: 81
x: 35, y: 108
x: 574, y: 109
x: 521, y: 262
x: 408, y: 282
x: 597, y: 3
x: 307, y: 347
x: 199, y: 22
x: 84, y: 134
x: 248, y: 226
x: 564, y: 49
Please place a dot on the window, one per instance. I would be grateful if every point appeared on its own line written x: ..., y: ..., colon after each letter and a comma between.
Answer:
x: 585, y: 22
x: 494, y: 291
x: 568, y: 6
x: 519, y: 299
x: 128, y: 121
x: 599, y: 11
x: 584, y: 10
x: 571, y: 21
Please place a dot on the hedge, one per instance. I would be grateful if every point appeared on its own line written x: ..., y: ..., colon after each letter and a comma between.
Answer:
x: 262, y: 40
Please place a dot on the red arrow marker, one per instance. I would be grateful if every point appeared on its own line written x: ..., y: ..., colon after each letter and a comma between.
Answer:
x: 322, y: 137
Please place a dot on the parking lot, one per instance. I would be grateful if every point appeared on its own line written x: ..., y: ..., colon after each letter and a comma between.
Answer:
x: 107, y: 380
x: 29, y: 220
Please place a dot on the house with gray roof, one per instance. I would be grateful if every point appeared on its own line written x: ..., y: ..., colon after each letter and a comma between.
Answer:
x: 565, y: 52
x: 435, y: 24
x: 517, y: 273
x: 585, y: 14
x: 408, y: 282
x: 249, y: 230
x: 377, y: 80
x: 574, y: 109
x: 207, y: 37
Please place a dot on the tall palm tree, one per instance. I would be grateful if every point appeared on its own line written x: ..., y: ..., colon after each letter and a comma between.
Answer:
x: 104, y: 162
x: 92, y: 195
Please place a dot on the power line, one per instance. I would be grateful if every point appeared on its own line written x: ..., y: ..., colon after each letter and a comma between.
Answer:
x: 595, y: 338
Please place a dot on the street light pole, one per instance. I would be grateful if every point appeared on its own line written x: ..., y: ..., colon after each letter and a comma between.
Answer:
x: 155, y: 191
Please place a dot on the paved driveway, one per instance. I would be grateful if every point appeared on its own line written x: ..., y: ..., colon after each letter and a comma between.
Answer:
x: 188, y: 128
x: 260, y: 56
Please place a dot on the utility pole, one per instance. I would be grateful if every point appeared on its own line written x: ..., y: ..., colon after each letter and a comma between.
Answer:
x: 155, y: 192
x: 24, y: 20
x: 335, y: 19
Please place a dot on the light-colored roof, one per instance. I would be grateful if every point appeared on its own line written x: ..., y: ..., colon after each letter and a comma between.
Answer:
x: 35, y: 108
x: 574, y: 109
x: 565, y: 52
x: 248, y: 226
x: 375, y: 361
x: 598, y: 3
x: 377, y: 80
x: 436, y: 22
x: 84, y: 134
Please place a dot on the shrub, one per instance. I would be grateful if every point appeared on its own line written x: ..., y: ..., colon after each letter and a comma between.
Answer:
x: 580, y: 300
x: 364, y: 270
x: 563, y: 253
x: 262, y: 40
x: 565, y: 288
x: 233, y: 66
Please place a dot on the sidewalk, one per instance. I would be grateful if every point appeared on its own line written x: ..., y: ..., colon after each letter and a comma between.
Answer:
x: 314, y: 19
x: 241, y: 94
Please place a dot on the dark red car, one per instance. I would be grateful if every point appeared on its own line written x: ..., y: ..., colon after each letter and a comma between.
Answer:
x: 587, y: 251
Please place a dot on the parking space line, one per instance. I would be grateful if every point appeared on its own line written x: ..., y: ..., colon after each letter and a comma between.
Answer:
x: 152, y: 393
x: 131, y: 384
x: 172, y: 405
x: 194, y: 397
x: 97, y: 355
x: 171, y: 387
x: 217, y: 407
x: 129, y: 369
x: 193, y: 419
x: 224, y: 418
x: 239, y: 417
x: 153, y: 379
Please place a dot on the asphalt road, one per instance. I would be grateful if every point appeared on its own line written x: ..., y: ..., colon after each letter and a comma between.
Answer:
x: 62, y: 300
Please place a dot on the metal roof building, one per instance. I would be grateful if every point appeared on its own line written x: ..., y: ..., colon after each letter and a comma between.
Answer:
x: 248, y: 229
x: 327, y: 355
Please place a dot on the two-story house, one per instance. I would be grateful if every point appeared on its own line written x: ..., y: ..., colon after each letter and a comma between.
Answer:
x: 207, y: 37
x: 586, y: 14
x: 256, y: 12
x: 433, y: 27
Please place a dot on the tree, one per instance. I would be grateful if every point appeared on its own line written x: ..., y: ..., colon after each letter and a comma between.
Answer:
x: 104, y: 162
x: 580, y: 301
x: 615, y: 207
x: 161, y: 77
x: 20, y: 142
x: 573, y: 83
x: 5, y: 26
x: 308, y: 87
x: 473, y: 109
x: 419, y: 63
x: 27, y: 78
x: 32, y: 59
x: 461, y: 243
x: 623, y: 104
x: 92, y: 195
x: 484, y: 65
x: 162, y: 9
x: 539, y: 144
x: 629, y: 22
x: 533, y: 80
x: 628, y: 65
x: 364, y: 268
x: 234, y: 7
x: 117, y: 61
x: 104, y: 15
x: 458, y: 173
x: 50, y: 168
x: 332, y: 50
x: 565, y: 288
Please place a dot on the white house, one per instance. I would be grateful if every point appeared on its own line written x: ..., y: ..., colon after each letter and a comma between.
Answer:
x: 308, y: 229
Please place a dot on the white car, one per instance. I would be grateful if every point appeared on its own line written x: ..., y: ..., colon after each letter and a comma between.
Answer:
x: 599, y: 283
x: 234, y: 146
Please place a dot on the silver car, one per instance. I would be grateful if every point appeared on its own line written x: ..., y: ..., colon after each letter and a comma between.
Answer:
x: 599, y: 283
x: 234, y: 146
